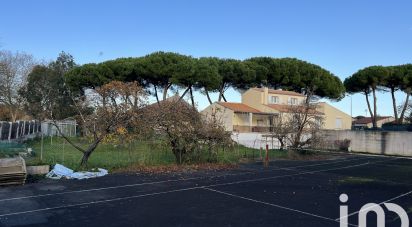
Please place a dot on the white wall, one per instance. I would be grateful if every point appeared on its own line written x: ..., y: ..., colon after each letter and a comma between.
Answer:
x: 375, y: 142
x: 255, y: 140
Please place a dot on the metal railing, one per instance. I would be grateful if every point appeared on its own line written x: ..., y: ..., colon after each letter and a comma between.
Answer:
x: 246, y: 128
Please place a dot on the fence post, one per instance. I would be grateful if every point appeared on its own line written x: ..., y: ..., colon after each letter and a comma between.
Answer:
x: 17, y: 131
x: 41, y: 148
x: 10, y: 129
x: 28, y: 133
x: 24, y: 128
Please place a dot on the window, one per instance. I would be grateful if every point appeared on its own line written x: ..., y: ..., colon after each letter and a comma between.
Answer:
x: 293, y: 101
x: 274, y: 99
x: 338, y: 123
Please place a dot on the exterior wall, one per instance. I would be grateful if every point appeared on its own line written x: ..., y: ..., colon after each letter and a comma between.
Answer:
x: 224, y: 114
x: 331, y: 116
x: 284, y: 99
x: 260, y: 123
x: 375, y: 142
x: 257, y: 100
x: 264, y: 119
x: 253, y: 98
x: 241, y: 119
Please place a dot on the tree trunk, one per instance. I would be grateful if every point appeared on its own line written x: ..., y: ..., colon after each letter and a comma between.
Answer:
x: 220, y: 96
x: 165, y: 89
x: 297, y: 142
x: 178, y: 156
x: 395, y: 109
x: 184, y: 93
x: 224, y: 98
x: 13, y: 117
x: 374, y: 109
x: 369, y: 105
x: 405, y: 106
x: 89, y: 151
x: 157, y: 97
x: 191, y: 96
x: 85, y: 158
x: 13, y: 114
x: 221, y: 90
x: 208, y: 97
x: 282, y: 143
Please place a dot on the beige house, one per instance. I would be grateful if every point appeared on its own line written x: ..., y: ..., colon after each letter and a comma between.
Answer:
x: 366, y: 122
x: 260, y: 107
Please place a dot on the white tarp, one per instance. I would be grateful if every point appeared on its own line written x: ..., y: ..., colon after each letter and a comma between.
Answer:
x: 60, y: 171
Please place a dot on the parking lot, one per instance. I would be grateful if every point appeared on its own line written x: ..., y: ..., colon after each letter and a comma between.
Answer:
x: 286, y: 193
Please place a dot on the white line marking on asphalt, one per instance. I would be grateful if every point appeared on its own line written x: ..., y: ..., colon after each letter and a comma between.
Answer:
x: 96, y: 202
x: 377, y: 155
x: 159, y: 182
x: 273, y: 205
x: 288, y: 175
x: 171, y: 191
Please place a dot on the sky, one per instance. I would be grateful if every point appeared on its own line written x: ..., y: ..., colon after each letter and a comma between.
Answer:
x: 340, y: 36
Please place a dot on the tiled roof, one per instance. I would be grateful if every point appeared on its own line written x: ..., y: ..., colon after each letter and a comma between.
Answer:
x: 281, y: 92
x: 174, y: 98
x: 368, y: 120
x: 287, y: 108
x: 239, y: 107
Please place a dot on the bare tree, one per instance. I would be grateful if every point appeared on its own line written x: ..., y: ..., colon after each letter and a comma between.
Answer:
x: 281, y: 130
x: 305, y: 122
x: 186, y: 132
x: 14, y: 68
x: 298, y: 127
x: 214, y: 134
x: 113, y: 107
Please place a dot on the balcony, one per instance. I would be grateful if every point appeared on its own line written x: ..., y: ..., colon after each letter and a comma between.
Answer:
x: 246, y: 128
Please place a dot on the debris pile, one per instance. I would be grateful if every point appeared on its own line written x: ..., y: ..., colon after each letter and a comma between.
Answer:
x: 12, y: 171
x: 60, y: 171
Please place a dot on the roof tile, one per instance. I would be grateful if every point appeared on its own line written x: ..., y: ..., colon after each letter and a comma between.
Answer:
x: 239, y: 107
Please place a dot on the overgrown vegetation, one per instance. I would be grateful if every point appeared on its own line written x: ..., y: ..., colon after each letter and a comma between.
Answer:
x: 189, y: 135
x: 107, y: 98
x: 298, y: 127
x: 132, y: 154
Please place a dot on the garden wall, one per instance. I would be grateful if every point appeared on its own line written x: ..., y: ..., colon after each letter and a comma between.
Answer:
x: 375, y: 142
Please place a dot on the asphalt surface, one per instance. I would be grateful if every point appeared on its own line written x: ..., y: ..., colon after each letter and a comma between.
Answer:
x: 287, y: 193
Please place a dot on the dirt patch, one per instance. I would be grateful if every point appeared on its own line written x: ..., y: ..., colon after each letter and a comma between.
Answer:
x: 356, y: 180
x: 174, y: 168
x: 295, y: 155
